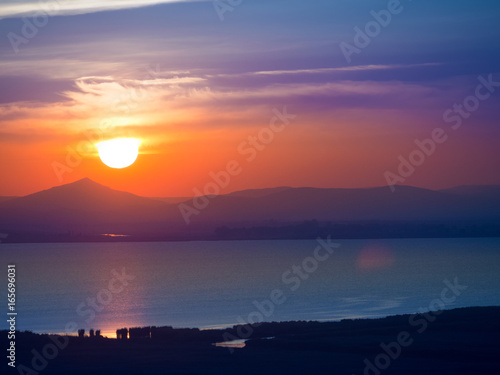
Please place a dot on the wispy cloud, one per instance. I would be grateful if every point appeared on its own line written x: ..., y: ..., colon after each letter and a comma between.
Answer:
x: 21, y: 8
x: 356, y: 68
x: 177, y: 98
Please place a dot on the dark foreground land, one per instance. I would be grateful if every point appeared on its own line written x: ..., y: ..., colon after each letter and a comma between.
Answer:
x: 460, y: 341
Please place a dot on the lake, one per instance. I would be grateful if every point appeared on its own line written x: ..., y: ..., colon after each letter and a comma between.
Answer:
x: 215, y: 284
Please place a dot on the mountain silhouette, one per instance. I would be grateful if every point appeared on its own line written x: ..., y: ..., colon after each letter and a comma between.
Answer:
x: 88, y: 208
x: 83, y: 195
x: 83, y: 205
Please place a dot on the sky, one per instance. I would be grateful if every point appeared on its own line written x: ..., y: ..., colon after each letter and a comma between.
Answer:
x: 323, y: 93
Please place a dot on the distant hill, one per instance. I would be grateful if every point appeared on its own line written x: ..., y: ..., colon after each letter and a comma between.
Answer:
x: 6, y: 198
x: 249, y: 193
x: 84, y: 210
x: 83, y: 206
x: 296, y: 204
x: 479, y: 191
x: 474, y: 190
x: 172, y: 200
x: 258, y: 193
x: 84, y: 195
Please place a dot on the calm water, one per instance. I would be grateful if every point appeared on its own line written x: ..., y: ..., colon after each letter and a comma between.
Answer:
x: 213, y: 284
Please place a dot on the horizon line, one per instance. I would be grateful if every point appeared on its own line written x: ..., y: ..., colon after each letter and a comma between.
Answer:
x: 255, y: 189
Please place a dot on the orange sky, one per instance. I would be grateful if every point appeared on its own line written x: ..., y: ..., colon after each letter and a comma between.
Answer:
x: 193, y: 89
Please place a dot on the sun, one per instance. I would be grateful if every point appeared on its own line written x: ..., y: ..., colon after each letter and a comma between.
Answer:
x: 119, y: 152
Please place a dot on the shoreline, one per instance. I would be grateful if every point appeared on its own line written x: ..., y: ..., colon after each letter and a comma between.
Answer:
x: 111, y: 334
x: 458, y: 341
x: 229, y: 327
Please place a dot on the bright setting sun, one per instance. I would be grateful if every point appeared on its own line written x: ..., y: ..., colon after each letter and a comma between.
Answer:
x: 119, y: 153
